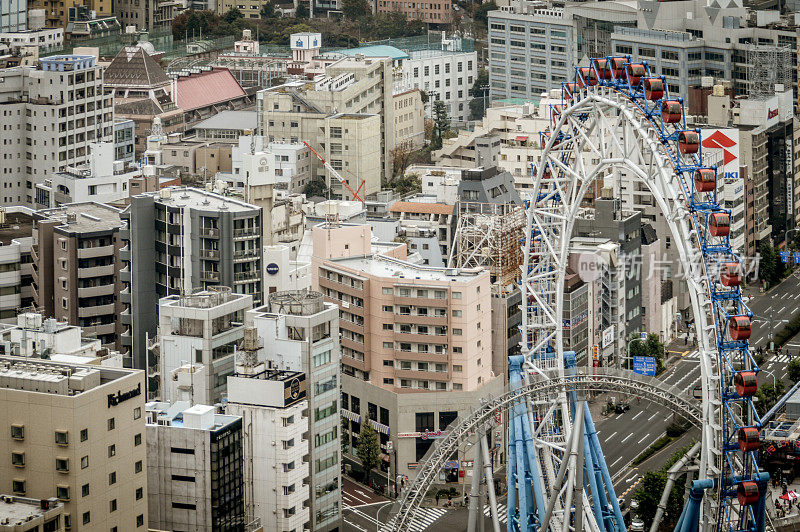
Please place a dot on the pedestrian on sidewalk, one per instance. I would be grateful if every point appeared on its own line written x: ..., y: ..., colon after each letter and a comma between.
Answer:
x: 437, y: 497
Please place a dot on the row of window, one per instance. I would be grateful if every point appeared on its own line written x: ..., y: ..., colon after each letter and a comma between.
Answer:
x: 62, y: 436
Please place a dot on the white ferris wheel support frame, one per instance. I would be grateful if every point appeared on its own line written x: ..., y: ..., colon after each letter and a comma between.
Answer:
x: 615, y: 132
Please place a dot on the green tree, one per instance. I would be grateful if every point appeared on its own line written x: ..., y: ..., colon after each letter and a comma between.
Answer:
x: 368, y: 449
x: 770, y: 267
x: 482, y: 12
x: 267, y: 11
x: 315, y: 187
x: 793, y: 370
x: 233, y: 15
x: 301, y: 11
x: 407, y: 184
x: 477, y: 107
x: 767, y: 396
x: 649, y: 493
x: 345, y: 435
x: 651, y: 347
x: 355, y: 9
x: 441, y: 123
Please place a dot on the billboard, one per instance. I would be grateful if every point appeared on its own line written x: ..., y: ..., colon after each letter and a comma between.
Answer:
x: 721, y: 147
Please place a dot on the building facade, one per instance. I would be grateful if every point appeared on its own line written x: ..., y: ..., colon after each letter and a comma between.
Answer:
x: 195, y: 239
x: 298, y: 331
x: 51, y: 113
x: 76, y: 267
x: 76, y: 433
x: 195, y: 474
x: 272, y: 406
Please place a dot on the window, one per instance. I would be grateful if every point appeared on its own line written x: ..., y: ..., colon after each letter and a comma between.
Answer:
x: 137, y: 412
x: 62, y: 437
x: 62, y: 464
x: 139, y: 493
x: 84, y: 462
x: 456, y: 295
x: 389, y: 363
x: 112, y: 450
x: 456, y: 313
x: 111, y: 423
x: 457, y: 386
x: 112, y: 478
x: 388, y: 326
x: 18, y: 486
x: 112, y: 505
x: 137, y: 440
x: 62, y: 492
x: 183, y: 478
x: 183, y: 506
x: 18, y: 432
x: 85, y: 490
x: 139, y: 520
x: 87, y: 518
x: 84, y: 434
x: 18, y: 459
x: 387, y: 290
x: 137, y: 467
x: 457, y: 332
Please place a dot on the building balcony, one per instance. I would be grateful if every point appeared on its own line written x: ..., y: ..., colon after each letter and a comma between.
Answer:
x: 246, y: 276
x: 95, y: 291
x: 248, y: 232
x: 97, y: 251
x: 440, y: 321
x: 209, y: 232
x: 420, y: 338
x: 35, y: 253
x: 248, y: 254
x: 418, y: 356
x: 209, y: 276
x: 125, y: 253
x: 96, y: 310
x: 100, y: 330
x: 96, y: 271
x: 421, y: 375
x: 125, y: 275
x: 212, y: 254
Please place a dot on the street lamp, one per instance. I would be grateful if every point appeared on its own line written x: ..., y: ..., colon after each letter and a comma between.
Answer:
x: 786, y: 235
x: 774, y: 382
x: 377, y: 517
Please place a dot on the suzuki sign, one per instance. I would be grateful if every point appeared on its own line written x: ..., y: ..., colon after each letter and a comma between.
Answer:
x: 723, y: 147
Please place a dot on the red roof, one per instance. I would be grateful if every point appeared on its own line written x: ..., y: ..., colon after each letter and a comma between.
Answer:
x: 206, y: 88
x: 419, y: 207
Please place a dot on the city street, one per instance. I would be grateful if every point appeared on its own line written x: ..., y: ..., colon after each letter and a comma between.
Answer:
x: 772, y: 310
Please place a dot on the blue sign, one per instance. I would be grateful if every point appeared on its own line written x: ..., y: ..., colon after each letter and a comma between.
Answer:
x: 272, y: 268
x: 644, y: 365
x: 784, y: 256
x: 797, y: 257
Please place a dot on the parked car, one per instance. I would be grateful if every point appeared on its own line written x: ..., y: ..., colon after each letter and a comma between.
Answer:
x: 622, y: 407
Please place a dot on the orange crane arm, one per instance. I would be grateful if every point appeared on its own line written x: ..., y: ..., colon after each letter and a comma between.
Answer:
x: 335, y: 173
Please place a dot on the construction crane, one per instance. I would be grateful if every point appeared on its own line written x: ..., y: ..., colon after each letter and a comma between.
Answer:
x: 336, y: 174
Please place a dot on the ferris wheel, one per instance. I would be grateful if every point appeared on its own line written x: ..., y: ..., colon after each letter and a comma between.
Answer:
x: 618, y: 119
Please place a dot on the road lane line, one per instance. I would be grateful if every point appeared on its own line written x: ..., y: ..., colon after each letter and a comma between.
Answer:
x: 615, y: 433
x: 627, y: 438
x: 645, y: 437
x: 637, y: 415
x: 615, y: 462
x: 651, y: 417
x: 355, y: 525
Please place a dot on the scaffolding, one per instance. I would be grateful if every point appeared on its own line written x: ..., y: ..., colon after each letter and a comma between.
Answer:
x: 768, y: 66
x: 489, y: 235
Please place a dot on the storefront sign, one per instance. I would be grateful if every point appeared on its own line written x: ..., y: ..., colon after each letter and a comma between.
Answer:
x: 427, y: 435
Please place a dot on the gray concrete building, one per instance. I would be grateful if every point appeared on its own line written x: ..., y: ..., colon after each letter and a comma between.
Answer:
x: 299, y: 331
x: 608, y: 220
x: 195, y: 472
x: 13, y: 15
x: 179, y: 239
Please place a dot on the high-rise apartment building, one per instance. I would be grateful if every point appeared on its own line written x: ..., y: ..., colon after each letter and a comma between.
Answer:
x: 273, y: 409
x: 440, y: 12
x: 76, y: 266
x: 179, y: 239
x: 195, y: 471
x: 50, y: 114
x: 75, y: 432
x: 147, y: 14
x: 298, y: 331
x: 202, y: 328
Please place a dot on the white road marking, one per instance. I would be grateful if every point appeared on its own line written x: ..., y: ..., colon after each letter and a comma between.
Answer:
x: 630, y: 479
x: 615, y: 462
x: 627, y: 438
x: 645, y: 437
x: 355, y: 525
x: 637, y: 415
x: 615, y: 433
x: 651, y: 417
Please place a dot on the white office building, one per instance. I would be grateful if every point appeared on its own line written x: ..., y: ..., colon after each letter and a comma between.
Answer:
x: 273, y: 406
x: 50, y: 116
x: 299, y: 331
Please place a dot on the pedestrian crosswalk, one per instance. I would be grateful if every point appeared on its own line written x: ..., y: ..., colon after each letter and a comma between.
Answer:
x: 502, y: 514
x: 783, y: 358
x: 425, y: 517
